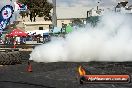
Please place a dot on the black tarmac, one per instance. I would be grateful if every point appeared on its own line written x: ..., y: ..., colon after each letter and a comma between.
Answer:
x: 60, y: 74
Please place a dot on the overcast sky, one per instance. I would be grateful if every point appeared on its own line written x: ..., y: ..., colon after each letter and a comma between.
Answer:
x: 5, y: 2
x: 77, y: 2
x: 88, y: 2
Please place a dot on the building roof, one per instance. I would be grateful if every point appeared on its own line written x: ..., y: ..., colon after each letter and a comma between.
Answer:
x: 38, y: 23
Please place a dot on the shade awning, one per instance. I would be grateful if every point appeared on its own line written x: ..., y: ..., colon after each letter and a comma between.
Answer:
x: 17, y: 32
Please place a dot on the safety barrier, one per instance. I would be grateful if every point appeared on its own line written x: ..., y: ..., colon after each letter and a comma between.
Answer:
x: 24, y: 46
x: 10, y: 58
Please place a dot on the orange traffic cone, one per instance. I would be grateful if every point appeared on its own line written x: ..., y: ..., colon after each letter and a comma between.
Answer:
x: 29, y: 69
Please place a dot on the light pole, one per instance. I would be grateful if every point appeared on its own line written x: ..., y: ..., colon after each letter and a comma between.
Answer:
x: 98, y: 10
x: 54, y: 17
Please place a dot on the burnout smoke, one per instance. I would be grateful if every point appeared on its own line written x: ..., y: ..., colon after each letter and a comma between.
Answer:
x: 111, y: 40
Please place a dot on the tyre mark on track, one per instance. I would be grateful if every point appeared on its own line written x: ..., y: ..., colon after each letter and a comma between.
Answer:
x: 26, y: 83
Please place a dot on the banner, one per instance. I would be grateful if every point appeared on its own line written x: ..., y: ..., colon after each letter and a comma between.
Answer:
x: 20, y: 7
x: 5, y: 15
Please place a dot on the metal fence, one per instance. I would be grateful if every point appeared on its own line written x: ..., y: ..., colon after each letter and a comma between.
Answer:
x: 23, y: 46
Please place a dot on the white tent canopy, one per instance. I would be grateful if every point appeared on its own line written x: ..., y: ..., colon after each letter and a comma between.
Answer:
x: 36, y: 32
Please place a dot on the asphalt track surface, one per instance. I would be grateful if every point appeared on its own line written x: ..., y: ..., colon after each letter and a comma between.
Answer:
x: 60, y: 74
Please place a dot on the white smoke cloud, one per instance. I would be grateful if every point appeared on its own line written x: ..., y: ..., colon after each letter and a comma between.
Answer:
x: 111, y: 40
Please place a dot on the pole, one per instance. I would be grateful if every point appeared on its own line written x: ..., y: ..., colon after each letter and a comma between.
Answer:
x: 54, y: 17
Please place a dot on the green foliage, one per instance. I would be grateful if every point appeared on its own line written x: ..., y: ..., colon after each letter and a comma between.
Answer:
x: 77, y: 22
x: 39, y: 8
x: 93, y: 20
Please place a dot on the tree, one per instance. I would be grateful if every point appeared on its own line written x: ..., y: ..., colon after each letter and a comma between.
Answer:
x: 93, y: 20
x: 39, y: 8
x: 77, y: 22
